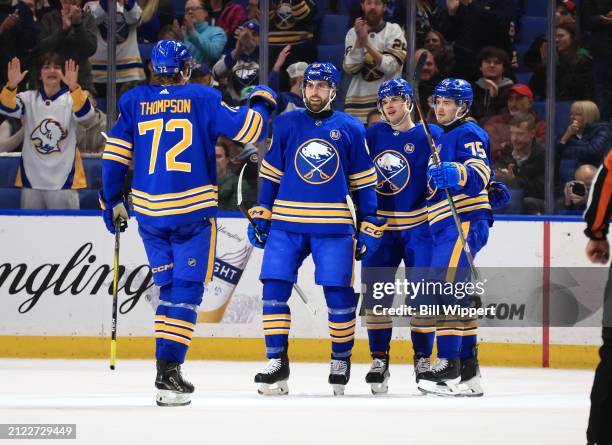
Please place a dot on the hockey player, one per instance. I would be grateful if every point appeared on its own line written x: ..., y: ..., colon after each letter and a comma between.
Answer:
x: 168, y: 131
x: 464, y: 171
x: 400, y: 152
x: 318, y: 156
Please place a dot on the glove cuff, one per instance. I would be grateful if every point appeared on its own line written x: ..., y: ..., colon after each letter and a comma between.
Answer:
x: 374, y: 227
x: 260, y: 212
x: 108, y: 204
x: 463, y: 176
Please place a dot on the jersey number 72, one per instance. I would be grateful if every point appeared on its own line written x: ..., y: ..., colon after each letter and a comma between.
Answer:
x: 157, y: 126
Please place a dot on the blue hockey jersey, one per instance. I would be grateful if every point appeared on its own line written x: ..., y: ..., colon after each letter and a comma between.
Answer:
x: 312, y: 165
x: 400, y: 159
x: 169, y: 133
x: 468, y: 144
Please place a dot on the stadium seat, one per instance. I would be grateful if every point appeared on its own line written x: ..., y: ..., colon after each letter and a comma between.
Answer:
x: 145, y: 50
x: 331, y: 53
x: 101, y: 104
x: 178, y: 6
x: 531, y: 27
x: 333, y: 29
x: 10, y: 198
x: 93, y: 173
x: 567, y: 167
x: 523, y: 78
x: 562, y: 113
x: 89, y: 199
x: 8, y: 171
x: 535, y: 8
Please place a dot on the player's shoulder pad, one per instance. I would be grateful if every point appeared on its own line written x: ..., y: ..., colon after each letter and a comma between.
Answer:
x: 471, y: 130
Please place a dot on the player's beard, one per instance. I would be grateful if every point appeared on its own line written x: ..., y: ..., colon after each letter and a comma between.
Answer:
x: 320, y: 106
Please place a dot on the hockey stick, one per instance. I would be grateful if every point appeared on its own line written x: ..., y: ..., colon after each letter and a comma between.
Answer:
x: 113, y: 346
x: 245, y: 212
x: 351, y: 206
x: 436, y: 160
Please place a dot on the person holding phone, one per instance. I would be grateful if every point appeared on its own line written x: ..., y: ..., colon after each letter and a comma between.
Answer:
x: 576, y: 192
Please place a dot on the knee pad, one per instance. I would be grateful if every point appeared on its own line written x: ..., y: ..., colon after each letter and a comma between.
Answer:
x: 187, y: 292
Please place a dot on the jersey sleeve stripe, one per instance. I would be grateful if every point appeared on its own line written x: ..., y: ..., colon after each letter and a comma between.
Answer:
x: 255, y: 129
x: 116, y: 158
x: 8, y: 99
x: 120, y: 151
x: 269, y: 172
x: 269, y: 166
x: 247, y: 125
x: 119, y: 142
x: 367, y: 180
x: 269, y: 178
x: 174, y: 203
x: 362, y: 174
x: 185, y: 194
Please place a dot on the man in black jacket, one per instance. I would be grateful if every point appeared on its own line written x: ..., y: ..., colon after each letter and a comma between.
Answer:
x: 473, y: 25
x: 18, y: 35
x: 70, y: 32
x: 522, y: 163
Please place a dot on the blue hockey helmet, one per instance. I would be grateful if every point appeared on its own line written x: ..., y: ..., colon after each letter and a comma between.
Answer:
x: 395, y: 87
x: 169, y: 56
x: 323, y: 71
x: 458, y: 89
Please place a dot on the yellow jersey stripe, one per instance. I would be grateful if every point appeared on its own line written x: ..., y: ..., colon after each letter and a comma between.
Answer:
x: 186, y: 193
x: 365, y: 180
x: 269, y: 178
x: 245, y: 127
x: 459, y: 205
x: 312, y: 220
x: 175, y: 203
x: 112, y: 157
x: 311, y: 205
x: 119, y: 142
x: 120, y: 151
x: 371, y: 171
x: 175, y: 211
x: 311, y: 212
x: 269, y: 166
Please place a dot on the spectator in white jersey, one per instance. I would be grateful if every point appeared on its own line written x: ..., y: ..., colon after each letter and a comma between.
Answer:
x: 51, y: 169
x: 374, y: 51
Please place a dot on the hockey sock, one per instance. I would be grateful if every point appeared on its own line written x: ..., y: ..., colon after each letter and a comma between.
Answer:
x: 379, y: 333
x: 468, y: 343
x: 341, y: 319
x: 175, y: 323
x: 160, y: 318
x: 276, y: 316
x: 449, y: 342
x: 422, y: 342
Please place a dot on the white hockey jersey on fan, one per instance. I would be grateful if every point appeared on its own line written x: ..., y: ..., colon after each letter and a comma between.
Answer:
x: 49, y: 158
x: 362, y: 92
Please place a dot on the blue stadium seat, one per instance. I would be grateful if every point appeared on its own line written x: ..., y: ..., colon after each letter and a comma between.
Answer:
x: 93, y: 173
x: 333, y: 29
x: 178, y: 6
x: 101, y: 104
x: 531, y: 27
x: 540, y: 107
x: 523, y: 78
x: 145, y: 50
x: 331, y: 53
x: 10, y: 198
x: 521, y: 50
x: 535, y: 8
x: 89, y: 199
x: 567, y: 167
x: 8, y: 171
x: 562, y: 114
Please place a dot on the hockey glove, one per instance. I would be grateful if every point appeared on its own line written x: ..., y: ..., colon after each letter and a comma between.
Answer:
x: 370, y: 236
x: 112, y: 211
x: 499, y: 195
x: 451, y: 175
x: 262, y: 94
x: 259, y: 229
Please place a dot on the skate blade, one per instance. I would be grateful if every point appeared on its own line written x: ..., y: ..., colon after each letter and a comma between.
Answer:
x: 338, y: 390
x: 470, y: 388
x: 274, y: 389
x: 379, y: 388
x: 170, y: 398
x: 444, y: 389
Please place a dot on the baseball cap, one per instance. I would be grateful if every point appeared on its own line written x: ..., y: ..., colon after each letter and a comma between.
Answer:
x: 568, y: 4
x: 201, y: 69
x: 296, y: 69
x: 523, y: 90
x: 252, y: 24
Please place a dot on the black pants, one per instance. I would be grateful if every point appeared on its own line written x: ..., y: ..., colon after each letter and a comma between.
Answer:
x: 599, y: 431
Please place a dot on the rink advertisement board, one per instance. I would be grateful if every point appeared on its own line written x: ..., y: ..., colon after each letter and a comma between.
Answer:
x: 56, y: 278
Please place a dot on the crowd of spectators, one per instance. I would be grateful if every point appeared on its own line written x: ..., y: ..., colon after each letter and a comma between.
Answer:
x: 482, y: 41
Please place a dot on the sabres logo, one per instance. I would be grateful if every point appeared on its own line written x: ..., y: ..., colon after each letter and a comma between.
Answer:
x: 393, y: 172
x: 316, y: 161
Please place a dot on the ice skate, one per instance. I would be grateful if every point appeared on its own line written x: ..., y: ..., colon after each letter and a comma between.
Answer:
x: 172, y: 388
x: 273, y: 380
x: 421, y: 366
x: 442, y: 379
x: 378, y: 376
x: 469, y: 386
x: 339, y: 375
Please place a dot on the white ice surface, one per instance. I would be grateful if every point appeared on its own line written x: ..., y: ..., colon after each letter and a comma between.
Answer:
x: 520, y: 406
